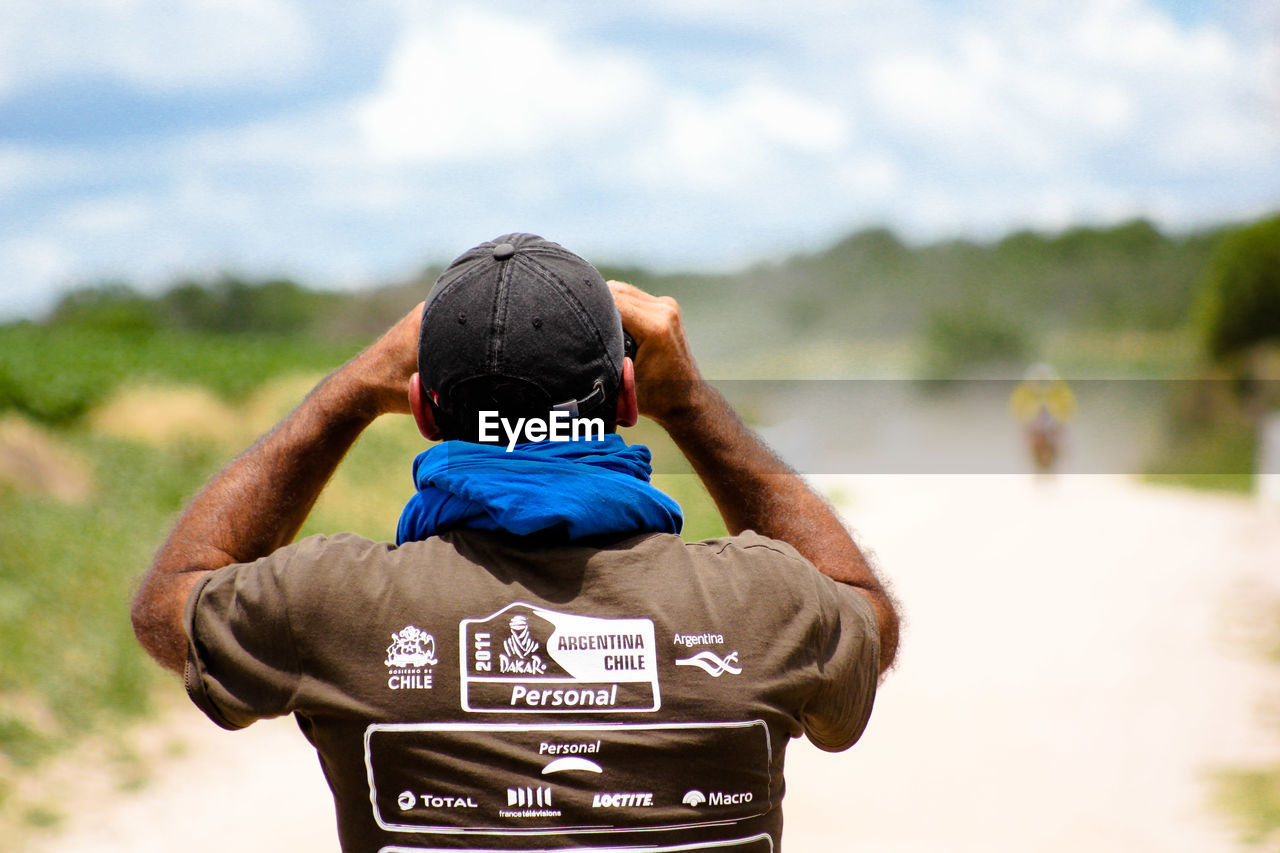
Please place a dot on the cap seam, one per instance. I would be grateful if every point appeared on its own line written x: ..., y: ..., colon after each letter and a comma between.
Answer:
x: 498, y: 327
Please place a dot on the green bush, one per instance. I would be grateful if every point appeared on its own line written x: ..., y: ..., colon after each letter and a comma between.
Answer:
x: 1240, y: 294
x: 956, y: 342
x: 55, y: 374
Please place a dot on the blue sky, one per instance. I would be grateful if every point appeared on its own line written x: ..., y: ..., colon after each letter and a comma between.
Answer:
x: 351, y: 143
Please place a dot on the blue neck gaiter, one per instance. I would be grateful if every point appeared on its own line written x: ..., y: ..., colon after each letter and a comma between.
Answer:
x: 570, y: 488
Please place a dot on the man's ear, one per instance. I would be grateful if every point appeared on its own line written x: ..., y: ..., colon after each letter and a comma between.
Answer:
x: 421, y: 411
x: 628, y: 410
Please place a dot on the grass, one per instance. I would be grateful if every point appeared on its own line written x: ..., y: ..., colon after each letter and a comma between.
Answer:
x: 1211, y: 441
x: 71, y: 668
x: 56, y: 375
x: 66, y: 579
x: 1250, y: 796
x: 1252, y: 799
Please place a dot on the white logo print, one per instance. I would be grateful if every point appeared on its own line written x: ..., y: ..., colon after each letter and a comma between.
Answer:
x: 518, y: 649
x: 408, y: 799
x: 621, y: 801
x: 694, y: 798
x: 572, y: 762
x: 712, y: 664
x: 410, y: 657
x: 411, y: 647
x: 525, y: 659
x: 529, y: 797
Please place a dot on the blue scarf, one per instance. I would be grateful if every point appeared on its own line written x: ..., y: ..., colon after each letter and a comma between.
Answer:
x: 577, y: 488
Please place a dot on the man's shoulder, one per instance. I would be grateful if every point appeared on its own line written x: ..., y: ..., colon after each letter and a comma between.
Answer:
x: 748, y: 553
x: 746, y: 560
x: 748, y: 541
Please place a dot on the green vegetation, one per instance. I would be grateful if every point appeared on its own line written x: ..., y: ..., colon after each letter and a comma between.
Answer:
x: 227, y: 305
x: 71, y: 665
x: 1252, y: 798
x: 1214, y: 423
x: 1240, y: 297
x: 1211, y: 439
x: 56, y: 373
x: 872, y: 286
x: 961, y: 341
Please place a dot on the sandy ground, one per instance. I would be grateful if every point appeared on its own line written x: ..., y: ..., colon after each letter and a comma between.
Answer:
x: 1077, y: 658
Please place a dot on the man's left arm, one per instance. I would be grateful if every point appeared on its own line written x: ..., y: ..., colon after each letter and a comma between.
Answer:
x: 260, y: 501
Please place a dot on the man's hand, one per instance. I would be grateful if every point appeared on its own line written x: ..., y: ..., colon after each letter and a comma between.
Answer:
x: 666, y: 374
x: 383, y: 370
x: 752, y: 488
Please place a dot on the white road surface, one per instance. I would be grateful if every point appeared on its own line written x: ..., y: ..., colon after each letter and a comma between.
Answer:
x: 1076, y: 659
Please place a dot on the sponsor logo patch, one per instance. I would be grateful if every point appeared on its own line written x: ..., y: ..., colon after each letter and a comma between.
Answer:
x: 526, y: 659
x: 622, y: 801
x: 696, y: 798
x: 410, y: 657
x: 712, y: 664
x: 529, y: 802
x: 408, y: 799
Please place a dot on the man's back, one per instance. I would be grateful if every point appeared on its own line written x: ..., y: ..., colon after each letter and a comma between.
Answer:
x: 481, y: 686
x: 481, y: 689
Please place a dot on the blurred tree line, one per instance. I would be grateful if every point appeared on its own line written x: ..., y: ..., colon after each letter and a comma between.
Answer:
x: 1240, y: 303
x: 869, y: 283
x: 967, y: 303
x: 226, y: 306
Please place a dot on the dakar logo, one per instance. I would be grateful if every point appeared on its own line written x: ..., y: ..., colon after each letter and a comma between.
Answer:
x: 518, y: 650
x: 411, y: 647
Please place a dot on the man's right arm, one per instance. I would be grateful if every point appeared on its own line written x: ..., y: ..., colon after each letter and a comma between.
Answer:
x: 752, y: 487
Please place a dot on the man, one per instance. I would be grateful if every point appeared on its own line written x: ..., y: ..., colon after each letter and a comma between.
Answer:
x: 541, y: 663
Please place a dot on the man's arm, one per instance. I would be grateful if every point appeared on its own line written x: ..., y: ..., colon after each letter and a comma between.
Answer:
x: 751, y: 487
x: 259, y: 502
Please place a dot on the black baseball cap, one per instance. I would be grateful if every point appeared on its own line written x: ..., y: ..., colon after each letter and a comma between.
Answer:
x: 522, y: 326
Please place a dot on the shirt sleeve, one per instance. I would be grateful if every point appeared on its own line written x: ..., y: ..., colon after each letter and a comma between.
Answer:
x: 242, y: 664
x: 847, y: 662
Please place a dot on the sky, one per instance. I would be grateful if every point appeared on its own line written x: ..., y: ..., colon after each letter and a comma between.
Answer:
x: 347, y: 144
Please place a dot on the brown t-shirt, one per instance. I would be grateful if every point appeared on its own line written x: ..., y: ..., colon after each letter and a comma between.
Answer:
x: 481, y: 691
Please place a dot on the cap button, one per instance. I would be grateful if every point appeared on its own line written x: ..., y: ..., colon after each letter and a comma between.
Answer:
x: 502, y: 251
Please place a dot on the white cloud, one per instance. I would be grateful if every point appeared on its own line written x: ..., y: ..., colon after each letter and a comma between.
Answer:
x: 109, y: 217
x: 24, y: 169
x: 477, y: 83
x: 33, y: 268
x: 743, y: 140
x: 158, y: 45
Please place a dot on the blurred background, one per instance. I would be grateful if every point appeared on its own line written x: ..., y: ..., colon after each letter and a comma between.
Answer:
x: 919, y: 243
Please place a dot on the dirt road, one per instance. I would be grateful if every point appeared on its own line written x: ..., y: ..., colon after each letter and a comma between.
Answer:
x: 1075, y: 662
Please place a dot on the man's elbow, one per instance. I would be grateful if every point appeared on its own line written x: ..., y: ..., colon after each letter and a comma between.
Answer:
x: 153, y: 628
x: 142, y: 614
